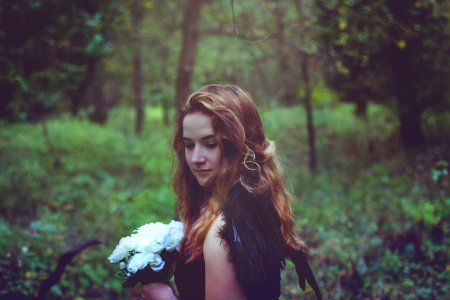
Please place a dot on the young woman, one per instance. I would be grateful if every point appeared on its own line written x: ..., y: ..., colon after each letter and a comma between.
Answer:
x: 233, y: 203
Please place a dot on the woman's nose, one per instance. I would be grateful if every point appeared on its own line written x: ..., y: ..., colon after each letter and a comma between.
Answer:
x: 198, y: 156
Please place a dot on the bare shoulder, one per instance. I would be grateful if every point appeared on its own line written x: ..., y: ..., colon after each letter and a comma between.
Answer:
x: 220, y: 276
x: 213, y: 242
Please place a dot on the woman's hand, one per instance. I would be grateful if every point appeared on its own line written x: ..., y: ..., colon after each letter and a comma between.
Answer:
x: 153, y: 291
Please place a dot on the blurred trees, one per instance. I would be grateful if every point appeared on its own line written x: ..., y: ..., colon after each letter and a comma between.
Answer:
x: 58, y: 56
x: 383, y: 50
x: 85, y: 57
x: 48, y: 49
x: 145, y: 53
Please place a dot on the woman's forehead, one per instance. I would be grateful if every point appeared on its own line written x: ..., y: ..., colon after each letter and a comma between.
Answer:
x: 197, y: 125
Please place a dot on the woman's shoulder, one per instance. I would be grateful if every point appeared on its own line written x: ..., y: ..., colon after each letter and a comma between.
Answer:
x: 220, y: 276
x: 214, y: 244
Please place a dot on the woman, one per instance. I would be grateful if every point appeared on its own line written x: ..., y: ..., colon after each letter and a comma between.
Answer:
x: 232, y: 201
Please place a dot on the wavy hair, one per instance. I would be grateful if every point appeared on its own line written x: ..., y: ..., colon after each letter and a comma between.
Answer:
x: 245, y: 150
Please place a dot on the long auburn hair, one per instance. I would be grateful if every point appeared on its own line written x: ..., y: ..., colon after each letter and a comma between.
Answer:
x: 244, y: 147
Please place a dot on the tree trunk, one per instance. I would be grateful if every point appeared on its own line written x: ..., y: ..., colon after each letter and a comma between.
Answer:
x: 7, y: 90
x: 361, y: 107
x: 307, y: 86
x: 406, y: 78
x: 410, y: 126
x: 408, y: 104
x: 165, y: 101
x: 309, y: 113
x: 77, y: 97
x: 186, y: 62
x: 288, y: 96
x: 137, y: 91
x: 100, y: 105
x: 137, y: 70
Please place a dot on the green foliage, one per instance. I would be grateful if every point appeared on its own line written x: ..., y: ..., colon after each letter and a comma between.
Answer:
x: 82, y: 181
x: 366, y: 208
x: 362, y: 214
x: 393, y: 52
x: 374, y: 219
x: 358, y: 37
x: 45, y: 49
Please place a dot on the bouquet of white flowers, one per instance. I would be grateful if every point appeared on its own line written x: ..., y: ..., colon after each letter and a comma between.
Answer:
x: 149, y: 254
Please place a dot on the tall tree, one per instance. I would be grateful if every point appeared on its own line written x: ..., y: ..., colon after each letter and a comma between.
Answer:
x: 307, y: 102
x: 188, y: 52
x: 307, y: 86
x: 382, y: 50
x: 137, y: 14
x: 419, y: 79
x: 289, y: 82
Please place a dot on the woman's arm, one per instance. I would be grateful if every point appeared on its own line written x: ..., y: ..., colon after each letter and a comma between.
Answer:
x: 220, y: 278
x: 153, y: 291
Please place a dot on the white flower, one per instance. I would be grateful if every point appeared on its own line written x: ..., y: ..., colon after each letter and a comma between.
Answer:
x: 139, y: 261
x: 153, y: 237
x: 175, y: 226
x: 126, y: 244
x: 175, y: 236
x: 144, y: 246
x: 157, y: 264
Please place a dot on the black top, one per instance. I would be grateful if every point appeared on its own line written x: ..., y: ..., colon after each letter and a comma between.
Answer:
x: 190, y: 281
x: 257, y: 250
x: 190, y: 278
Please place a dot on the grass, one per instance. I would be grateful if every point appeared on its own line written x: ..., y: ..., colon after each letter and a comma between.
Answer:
x: 373, y: 218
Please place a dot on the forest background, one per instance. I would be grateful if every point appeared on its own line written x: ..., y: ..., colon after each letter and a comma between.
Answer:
x: 354, y: 93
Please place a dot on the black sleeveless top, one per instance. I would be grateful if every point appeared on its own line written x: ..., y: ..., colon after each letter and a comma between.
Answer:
x: 190, y: 278
x: 190, y: 281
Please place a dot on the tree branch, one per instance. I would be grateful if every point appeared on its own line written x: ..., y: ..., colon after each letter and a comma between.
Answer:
x: 63, y: 261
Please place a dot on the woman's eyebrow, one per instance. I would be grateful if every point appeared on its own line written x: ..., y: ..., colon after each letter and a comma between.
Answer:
x: 208, y: 137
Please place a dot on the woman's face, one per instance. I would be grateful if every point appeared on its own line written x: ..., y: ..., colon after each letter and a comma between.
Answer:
x: 201, y: 146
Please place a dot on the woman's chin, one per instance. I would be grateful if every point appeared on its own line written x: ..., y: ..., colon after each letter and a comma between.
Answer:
x: 202, y: 182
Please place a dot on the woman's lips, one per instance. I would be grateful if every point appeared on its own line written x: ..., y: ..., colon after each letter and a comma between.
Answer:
x: 202, y: 173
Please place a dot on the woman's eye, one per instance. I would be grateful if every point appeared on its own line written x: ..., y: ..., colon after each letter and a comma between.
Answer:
x: 211, y: 145
x: 188, y: 146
